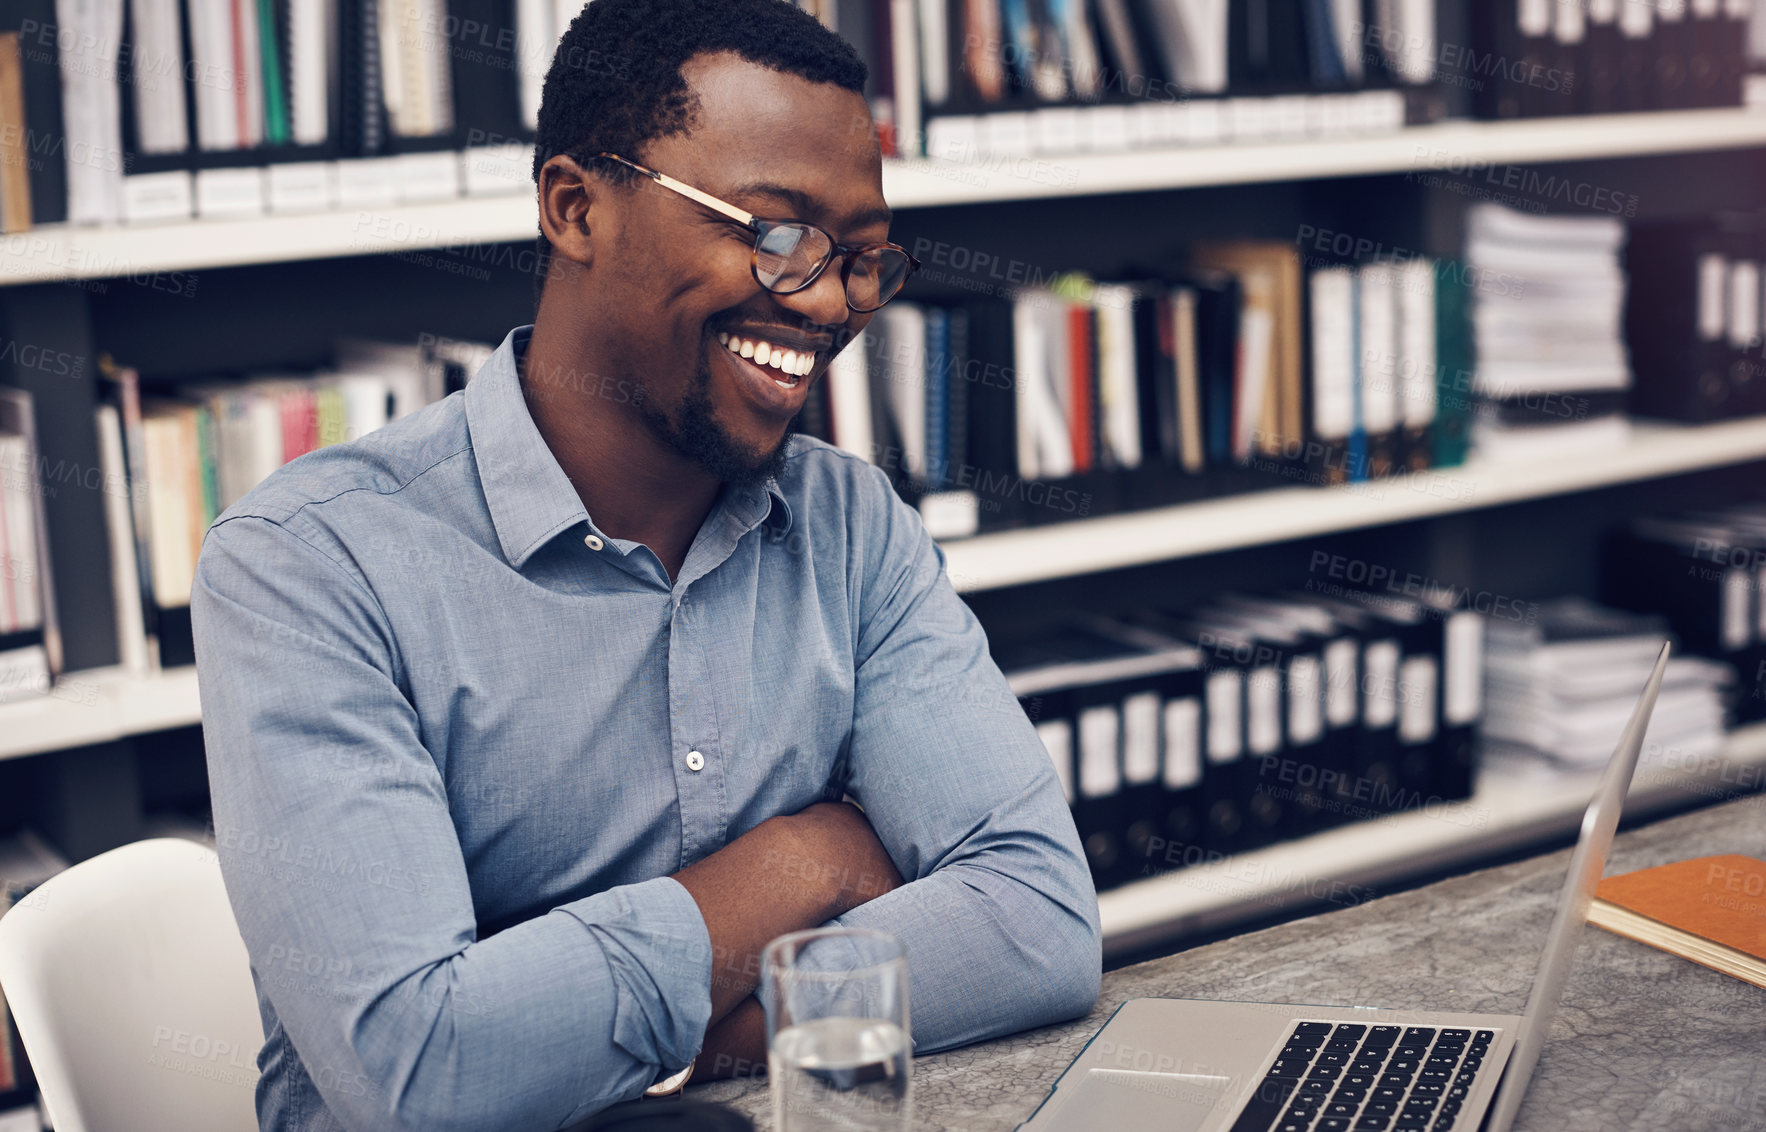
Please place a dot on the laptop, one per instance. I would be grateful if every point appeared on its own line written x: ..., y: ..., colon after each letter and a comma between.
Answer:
x: 1196, y: 1065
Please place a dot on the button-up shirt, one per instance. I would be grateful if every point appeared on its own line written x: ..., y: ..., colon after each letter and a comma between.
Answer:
x: 459, y: 736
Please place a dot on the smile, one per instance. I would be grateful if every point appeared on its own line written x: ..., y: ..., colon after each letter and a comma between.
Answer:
x: 791, y: 365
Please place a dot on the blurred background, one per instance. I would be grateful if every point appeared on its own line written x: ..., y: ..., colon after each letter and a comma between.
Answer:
x: 1326, y: 406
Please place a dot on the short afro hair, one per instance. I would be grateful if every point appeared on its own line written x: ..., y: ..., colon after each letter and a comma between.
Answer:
x: 615, y: 82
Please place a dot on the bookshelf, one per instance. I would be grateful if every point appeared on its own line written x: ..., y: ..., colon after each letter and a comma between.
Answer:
x: 1084, y: 546
x: 59, y: 253
x: 1509, y: 812
x: 96, y: 707
x: 103, y: 704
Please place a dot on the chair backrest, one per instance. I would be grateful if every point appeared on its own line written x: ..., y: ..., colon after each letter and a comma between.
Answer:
x: 133, y: 994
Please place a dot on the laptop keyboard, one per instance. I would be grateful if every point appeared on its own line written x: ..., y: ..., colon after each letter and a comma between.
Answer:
x: 1346, y: 1077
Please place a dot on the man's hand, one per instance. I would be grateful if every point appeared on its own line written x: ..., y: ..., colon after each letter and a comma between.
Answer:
x: 786, y: 874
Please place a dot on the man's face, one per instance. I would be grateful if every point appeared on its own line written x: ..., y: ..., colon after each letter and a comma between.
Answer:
x: 671, y: 283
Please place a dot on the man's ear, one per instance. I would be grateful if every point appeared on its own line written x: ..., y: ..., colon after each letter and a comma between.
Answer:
x: 567, y: 196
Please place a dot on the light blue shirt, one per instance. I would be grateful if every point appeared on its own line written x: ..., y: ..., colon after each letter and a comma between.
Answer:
x: 459, y: 737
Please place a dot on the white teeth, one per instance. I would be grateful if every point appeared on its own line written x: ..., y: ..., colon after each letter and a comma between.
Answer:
x: 789, y: 362
x: 723, y: 336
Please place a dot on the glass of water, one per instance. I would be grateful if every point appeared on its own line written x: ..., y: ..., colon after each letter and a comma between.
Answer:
x: 838, y: 1051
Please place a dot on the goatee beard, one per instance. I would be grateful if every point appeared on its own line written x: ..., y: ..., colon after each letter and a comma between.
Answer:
x: 695, y: 433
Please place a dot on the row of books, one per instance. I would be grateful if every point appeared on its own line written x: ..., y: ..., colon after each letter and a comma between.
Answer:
x: 171, y: 108
x: 1252, y: 365
x: 1182, y: 734
x: 180, y: 457
x: 955, y: 77
x: 1695, y: 316
x: 1611, y: 56
x: 981, y: 75
x: 1705, y: 573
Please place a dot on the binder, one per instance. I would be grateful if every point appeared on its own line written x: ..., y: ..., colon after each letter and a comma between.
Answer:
x: 1334, y: 371
x: 1417, y: 365
x: 1376, y: 358
x: 1637, y: 47
x: 1103, y: 708
x: 1685, y: 568
x: 1375, y: 783
x: 35, y: 21
x: 1673, y: 54
x: 1301, y: 776
x: 1600, y: 84
x: 1707, y: 73
x: 1676, y: 321
x: 1519, y: 31
x: 1242, y: 709
x: 1327, y: 797
x: 1455, y: 367
x: 1567, y: 61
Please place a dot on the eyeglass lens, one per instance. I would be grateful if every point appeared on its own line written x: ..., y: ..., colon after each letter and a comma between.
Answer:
x: 786, y: 255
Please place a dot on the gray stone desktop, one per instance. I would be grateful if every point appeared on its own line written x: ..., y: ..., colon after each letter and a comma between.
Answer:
x: 1643, y: 1040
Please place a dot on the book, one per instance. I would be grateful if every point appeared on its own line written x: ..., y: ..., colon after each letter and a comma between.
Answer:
x: 1711, y: 910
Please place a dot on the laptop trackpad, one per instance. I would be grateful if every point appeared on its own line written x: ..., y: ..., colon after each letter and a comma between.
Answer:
x: 1125, y: 1099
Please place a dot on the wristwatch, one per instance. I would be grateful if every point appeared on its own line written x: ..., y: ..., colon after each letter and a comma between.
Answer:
x: 672, y: 1084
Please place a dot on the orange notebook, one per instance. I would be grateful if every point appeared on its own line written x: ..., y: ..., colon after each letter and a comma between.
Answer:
x: 1711, y: 910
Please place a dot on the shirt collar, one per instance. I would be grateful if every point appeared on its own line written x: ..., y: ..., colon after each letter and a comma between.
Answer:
x: 531, y: 500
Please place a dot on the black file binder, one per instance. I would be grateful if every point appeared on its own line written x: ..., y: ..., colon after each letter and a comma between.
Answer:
x: 1686, y: 570
x: 1100, y: 705
x: 1242, y: 706
x: 1324, y: 766
x: 40, y: 61
x: 1637, y: 63
x: 1599, y: 85
x: 1374, y: 785
x: 1518, y: 32
x: 1677, y: 321
x: 1672, y: 48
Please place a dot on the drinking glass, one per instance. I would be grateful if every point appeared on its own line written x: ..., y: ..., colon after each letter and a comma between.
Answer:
x: 839, y: 1055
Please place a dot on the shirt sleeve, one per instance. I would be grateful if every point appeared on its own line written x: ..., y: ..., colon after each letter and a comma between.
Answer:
x: 999, y: 916
x: 348, y: 884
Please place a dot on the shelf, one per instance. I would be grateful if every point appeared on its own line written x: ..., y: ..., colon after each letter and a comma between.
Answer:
x: 99, y: 706
x: 59, y: 252
x: 1351, y: 862
x: 1085, y: 546
x: 1458, y: 145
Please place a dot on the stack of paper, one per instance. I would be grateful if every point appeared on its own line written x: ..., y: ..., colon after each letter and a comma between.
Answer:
x: 1547, y: 303
x: 1561, y: 685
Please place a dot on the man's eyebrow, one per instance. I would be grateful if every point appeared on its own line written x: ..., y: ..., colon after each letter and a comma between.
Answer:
x: 805, y: 206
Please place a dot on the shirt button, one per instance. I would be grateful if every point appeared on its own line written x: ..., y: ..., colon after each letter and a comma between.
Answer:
x: 592, y: 542
x: 695, y: 761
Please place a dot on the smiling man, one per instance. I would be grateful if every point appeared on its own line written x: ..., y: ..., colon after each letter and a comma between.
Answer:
x: 532, y: 717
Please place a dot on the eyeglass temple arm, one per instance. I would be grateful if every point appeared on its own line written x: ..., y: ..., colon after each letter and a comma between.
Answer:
x: 688, y: 191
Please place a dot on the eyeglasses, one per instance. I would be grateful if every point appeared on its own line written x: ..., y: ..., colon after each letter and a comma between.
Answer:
x: 789, y: 255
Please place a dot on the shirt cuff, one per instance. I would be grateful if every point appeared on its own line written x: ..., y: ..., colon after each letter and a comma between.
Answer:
x: 659, y: 956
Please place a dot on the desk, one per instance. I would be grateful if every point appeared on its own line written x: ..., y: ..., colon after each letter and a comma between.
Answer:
x: 1643, y: 1040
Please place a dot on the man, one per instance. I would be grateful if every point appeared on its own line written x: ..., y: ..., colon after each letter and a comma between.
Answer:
x: 530, y: 716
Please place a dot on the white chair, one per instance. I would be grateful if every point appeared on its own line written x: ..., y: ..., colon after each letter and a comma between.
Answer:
x: 133, y: 994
